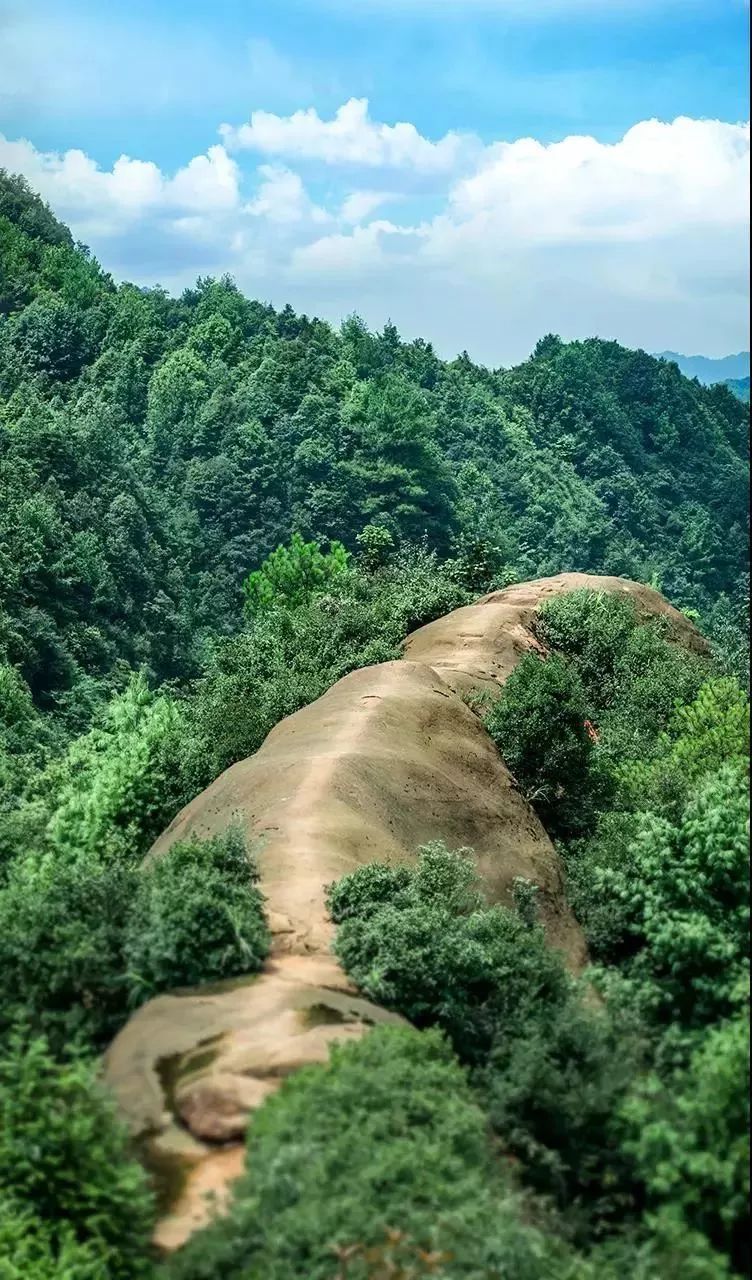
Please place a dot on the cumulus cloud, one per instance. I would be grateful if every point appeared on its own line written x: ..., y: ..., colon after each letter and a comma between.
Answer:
x: 102, y: 202
x: 657, y: 178
x: 282, y: 198
x: 350, y: 138
x: 643, y: 239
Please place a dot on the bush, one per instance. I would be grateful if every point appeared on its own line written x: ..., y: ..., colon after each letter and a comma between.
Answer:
x: 292, y: 575
x: 592, y: 627
x: 700, y: 737
x: 662, y: 1248
x: 61, y: 945
x: 385, y: 1136
x: 31, y: 1249
x: 553, y: 1091
x: 365, y: 890
x: 605, y: 917
x: 120, y: 783
x: 683, y: 895
x: 437, y: 956
x: 690, y: 1139
x: 538, y: 724
x: 197, y: 917
x: 64, y: 1162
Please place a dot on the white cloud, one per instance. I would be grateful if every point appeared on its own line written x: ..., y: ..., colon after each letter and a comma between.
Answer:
x: 658, y: 178
x: 360, y: 204
x: 643, y: 239
x: 351, y: 255
x: 282, y: 198
x: 350, y: 138
x: 101, y: 202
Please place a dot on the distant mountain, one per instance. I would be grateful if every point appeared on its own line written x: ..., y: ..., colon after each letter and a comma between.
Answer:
x: 739, y: 386
x: 707, y: 369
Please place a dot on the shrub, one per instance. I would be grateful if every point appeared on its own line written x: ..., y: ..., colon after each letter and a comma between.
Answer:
x: 683, y: 897
x: 31, y: 1249
x: 437, y: 956
x: 197, y: 917
x: 292, y: 575
x: 605, y: 916
x: 64, y: 1161
x: 538, y: 724
x: 385, y: 1136
x: 61, y: 945
x: 120, y: 783
x: 690, y: 1139
x: 365, y: 890
x: 700, y: 737
x: 592, y: 627
x: 553, y: 1090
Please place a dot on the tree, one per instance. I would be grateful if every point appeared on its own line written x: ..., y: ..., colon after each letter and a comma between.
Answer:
x: 385, y: 1136
x: 291, y: 576
x: 197, y: 916
x: 538, y: 724
x: 690, y: 1138
x: 64, y: 1162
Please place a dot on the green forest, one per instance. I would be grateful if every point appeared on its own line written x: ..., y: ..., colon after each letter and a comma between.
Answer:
x: 210, y: 511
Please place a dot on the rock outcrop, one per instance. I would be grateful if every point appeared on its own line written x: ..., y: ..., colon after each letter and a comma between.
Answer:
x: 391, y: 757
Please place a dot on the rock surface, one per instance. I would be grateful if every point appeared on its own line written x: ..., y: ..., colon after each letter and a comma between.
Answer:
x: 388, y: 759
x: 480, y: 645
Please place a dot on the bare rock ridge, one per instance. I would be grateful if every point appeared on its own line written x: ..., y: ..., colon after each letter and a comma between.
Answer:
x: 388, y: 759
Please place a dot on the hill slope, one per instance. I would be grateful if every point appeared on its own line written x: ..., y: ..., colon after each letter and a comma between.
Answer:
x: 153, y: 450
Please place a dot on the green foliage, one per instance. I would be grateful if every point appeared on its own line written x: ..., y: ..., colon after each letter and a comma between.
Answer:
x: 366, y: 890
x: 292, y: 576
x: 538, y: 724
x: 196, y: 916
x: 684, y: 893
x: 61, y: 945
x: 553, y: 1090
x: 31, y: 1249
x: 387, y: 1136
x: 592, y: 627
x: 66, y: 1173
x: 421, y: 942
x: 117, y: 786
x: 376, y: 544
x: 689, y: 1136
x: 701, y: 736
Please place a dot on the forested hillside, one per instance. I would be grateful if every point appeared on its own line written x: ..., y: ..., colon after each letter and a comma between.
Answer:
x: 210, y: 512
x: 154, y: 450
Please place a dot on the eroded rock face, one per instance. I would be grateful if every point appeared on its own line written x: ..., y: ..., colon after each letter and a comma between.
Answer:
x: 190, y: 1068
x: 388, y: 759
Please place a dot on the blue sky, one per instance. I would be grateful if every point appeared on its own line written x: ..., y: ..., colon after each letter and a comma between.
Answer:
x: 384, y: 224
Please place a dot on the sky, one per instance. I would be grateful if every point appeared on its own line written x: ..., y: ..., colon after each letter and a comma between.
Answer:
x: 479, y: 172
